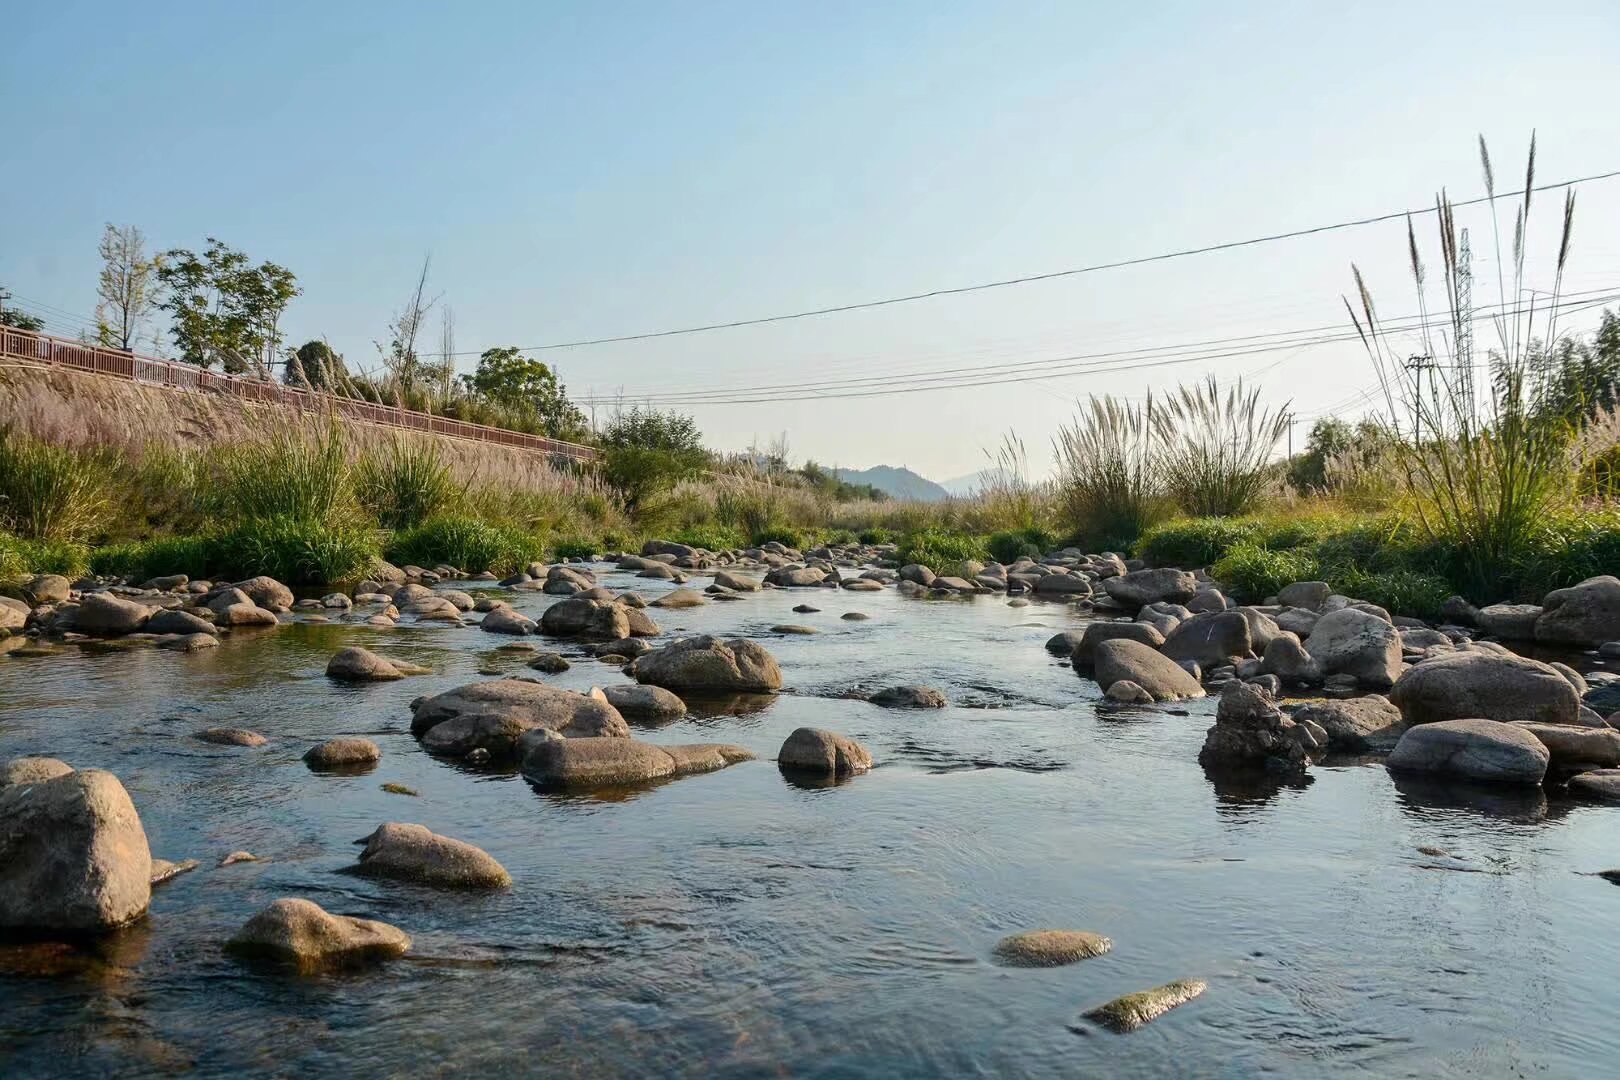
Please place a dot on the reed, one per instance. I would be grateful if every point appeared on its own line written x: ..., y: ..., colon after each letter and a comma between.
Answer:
x: 1110, y: 484
x: 1216, y: 446
x: 51, y: 492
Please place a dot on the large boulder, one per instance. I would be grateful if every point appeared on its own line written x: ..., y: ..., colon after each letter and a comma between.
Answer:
x: 1355, y: 724
x: 822, y: 753
x: 799, y: 577
x: 909, y: 697
x: 735, y: 582
x: 1138, y: 588
x: 1063, y: 585
x: 598, y: 763
x: 356, y: 664
x: 343, y: 755
x: 1480, y: 683
x: 1352, y: 642
x: 711, y: 664
x: 578, y: 617
x: 412, y: 853
x: 101, y: 614
x: 1124, y: 660
x: 175, y: 621
x: 267, y: 593
x: 492, y: 715
x: 1286, y: 658
x: 32, y: 770
x: 1575, y: 747
x: 1250, y: 732
x: 1309, y: 595
x: 1472, y: 749
x: 645, y: 702
x: 1212, y: 639
x: 73, y: 854
x: 1110, y: 630
x: 49, y: 589
x: 506, y: 620
x: 301, y: 934
x: 1510, y: 622
x: 1587, y: 614
x: 13, y: 614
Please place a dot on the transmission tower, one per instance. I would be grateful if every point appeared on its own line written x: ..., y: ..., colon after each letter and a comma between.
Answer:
x: 1465, y: 326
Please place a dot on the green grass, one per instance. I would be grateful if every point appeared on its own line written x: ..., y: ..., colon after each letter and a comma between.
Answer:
x: 293, y: 477
x: 294, y: 552
x: 405, y: 484
x: 1009, y: 545
x: 143, y: 560
x: 875, y: 536
x: 467, y: 544
x: 21, y: 559
x: 941, y: 551
x: 575, y: 547
x: 51, y: 492
x: 711, y: 537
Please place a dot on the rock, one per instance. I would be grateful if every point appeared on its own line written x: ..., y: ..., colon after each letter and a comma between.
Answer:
x: 1297, y: 621
x: 707, y: 663
x: 823, y: 753
x: 1456, y: 610
x: 577, y: 616
x: 680, y: 598
x: 645, y: 702
x: 13, y: 616
x: 550, y: 663
x: 301, y: 934
x: 188, y: 642
x: 735, y: 582
x: 267, y: 593
x: 920, y: 574
x: 1085, y: 651
x: 1600, y: 784
x: 49, y: 589
x: 344, y: 754
x: 31, y: 770
x: 1063, y: 585
x: 1287, y: 659
x: 1211, y: 639
x: 355, y: 664
x: 1308, y: 595
x: 1251, y: 732
x: 1510, y: 622
x: 412, y: 853
x: 1125, y: 1014
x: 164, y: 871
x: 1572, y: 748
x: 790, y: 577
x: 1587, y: 614
x: 1128, y: 693
x: 1138, y: 588
x: 73, y: 854
x: 1050, y: 948
x: 1207, y: 600
x: 244, y: 615
x: 230, y: 736
x: 806, y: 609
x: 1571, y: 676
x: 909, y: 697
x: 1355, y: 724
x: 492, y: 715
x: 175, y: 621
x: 1474, y: 749
x: 1353, y: 642
x: 101, y: 614
x: 507, y: 620
x: 597, y: 763
x: 1065, y: 642
x: 1124, y: 659
x: 238, y: 857
x: 1479, y: 683
x: 861, y: 616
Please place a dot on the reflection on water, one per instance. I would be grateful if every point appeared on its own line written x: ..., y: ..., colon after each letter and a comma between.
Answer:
x: 742, y: 923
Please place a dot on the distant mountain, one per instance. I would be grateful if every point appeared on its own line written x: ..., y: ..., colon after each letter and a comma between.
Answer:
x: 896, y: 483
x: 965, y: 485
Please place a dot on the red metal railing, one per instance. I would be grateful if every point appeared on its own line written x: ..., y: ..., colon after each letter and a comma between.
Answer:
x: 44, y: 349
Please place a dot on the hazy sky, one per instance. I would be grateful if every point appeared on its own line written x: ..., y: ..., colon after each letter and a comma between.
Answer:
x: 580, y: 171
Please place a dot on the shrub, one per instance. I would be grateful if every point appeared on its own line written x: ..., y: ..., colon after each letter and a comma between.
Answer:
x: 467, y: 544
x: 841, y: 537
x: 1009, y: 546
x: 1403, y: 592
x: 405, y: 484
x: 938, y: 550
x: 875, y: 536
x: 294, y: 552
x: 50, y: 492
x: 746, y: 510
x: 782, y: 534
x: 1193, y: 542
x: 143, y: 559
x: 711, y: 537
x: 1110, y: 477
x: 574, y: 548
x: 646, y: 452
x: 293, y: 476
x: 1255, y: 573
x: 21, y: 559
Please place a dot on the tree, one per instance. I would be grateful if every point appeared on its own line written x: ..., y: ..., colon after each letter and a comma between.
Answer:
x: 409, y: 367
x: 127, y: 287
x: 509, y: 379
x: 224, y: 310
x: 21, y: 320
x: 646, y: 451
x: 314, y: 366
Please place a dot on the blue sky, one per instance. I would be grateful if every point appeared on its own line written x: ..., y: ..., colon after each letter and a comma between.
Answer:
x: 587, y: 170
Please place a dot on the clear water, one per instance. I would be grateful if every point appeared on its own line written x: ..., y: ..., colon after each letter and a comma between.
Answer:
x: 734, y: 924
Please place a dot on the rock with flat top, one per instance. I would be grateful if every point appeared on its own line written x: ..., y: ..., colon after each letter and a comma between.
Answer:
x: 301, y: 934
x: 411, y: 853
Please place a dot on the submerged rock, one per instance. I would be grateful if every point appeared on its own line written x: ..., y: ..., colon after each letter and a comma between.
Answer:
x: 412, y: 853
x: 1050, y: 948
x: 597, y: 763
x: 550, y: 663
x: 345, y: 754
x: 73, y: 854
x: 707, y: 663
x: 230, y: 736
x: 909, y: 697
x: 302, y: 934
x: 1474, y: 749
x: 823, y: 753
x: 1130, y: 1012
x: 1602, y: 785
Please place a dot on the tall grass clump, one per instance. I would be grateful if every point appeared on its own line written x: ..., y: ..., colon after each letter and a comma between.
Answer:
x: 1010, y: 501
x: 1480, y: 472
x: 50, y: 492
x: 467, y: 544
x: 293, y: 551
x: 941, y: 551
x: 1110, y: 480
x: 294, y: 476
x: 405, y: 483
x: 1216, y: 446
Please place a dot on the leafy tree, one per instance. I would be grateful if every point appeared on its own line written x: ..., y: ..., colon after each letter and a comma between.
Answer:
x: 127, y: 288
x: 314, y: 365
x: 21, y: 320
x: 1579, y: 382
x: 522, y: 384
x: 646, y: 451
x: 223, y: 309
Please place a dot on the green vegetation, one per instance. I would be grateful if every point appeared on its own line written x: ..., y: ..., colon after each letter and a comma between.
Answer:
x: 1110, y: 477
x: 522, y: 385
x: 407, y: 483
x: 941, y: 551
x: 465, y: 543
x: 647, y: 452
x: 1215, y: 447
x: 50, y: 492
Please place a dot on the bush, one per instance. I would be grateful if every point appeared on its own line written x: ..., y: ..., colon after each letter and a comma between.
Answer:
x: 294, y: 552
x: 875, y: 536
x: 467, y: 544
x: 21, y: 559
x: 937, y: 550
x: 1193, y: 542
x: 840, y: 537
x: 1009, y: 546
x: 1400, y: 592
x: 1217, y: 446
x: 1110, y: 483
x: 405, y: 484
x: 645, y: 452
x: 798, y: 539
x: 146, y: 559
x: 711, y: 537
x: 295, y: 476
x: 50, y: 492
x: 574, y: 548
x: 1255, y: 573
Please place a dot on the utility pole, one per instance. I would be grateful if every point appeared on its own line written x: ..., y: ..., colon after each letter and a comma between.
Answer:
x: 1290, y: 433
x: 1418, y: 364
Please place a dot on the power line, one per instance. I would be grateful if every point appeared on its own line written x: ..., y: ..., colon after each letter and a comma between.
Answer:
x: 1028, y: 279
